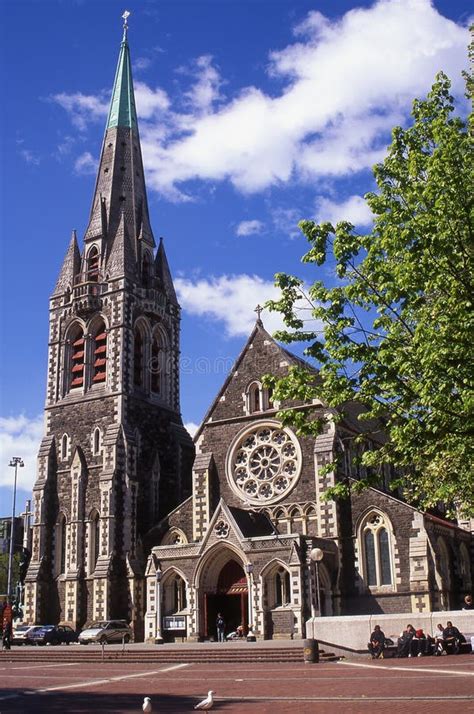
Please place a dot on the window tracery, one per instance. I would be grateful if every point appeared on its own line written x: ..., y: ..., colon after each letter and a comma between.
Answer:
x: 376, y: 549
x: 264, y: 463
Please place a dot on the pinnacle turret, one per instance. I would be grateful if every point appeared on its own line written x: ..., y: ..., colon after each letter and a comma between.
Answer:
x: 70, y: 267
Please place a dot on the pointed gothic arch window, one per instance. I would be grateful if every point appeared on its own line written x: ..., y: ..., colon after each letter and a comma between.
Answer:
x: 254, y: 398
x: 99, y: 348
x: 282, y: 588
x: 138, y: 358
x: 64, y: 447
x: 92, y: 274
x: 60, y: 544
x: 76, y: 364
x: 375, y: 542
x: 93, y: 544
x: 180, y: 602
x: 96, y: 441
x: 99, y: 356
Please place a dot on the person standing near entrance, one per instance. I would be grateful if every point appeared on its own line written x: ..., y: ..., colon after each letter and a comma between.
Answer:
x: 220, y: 627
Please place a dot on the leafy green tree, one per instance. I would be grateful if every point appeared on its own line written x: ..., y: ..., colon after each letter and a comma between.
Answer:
x: 397, y: 323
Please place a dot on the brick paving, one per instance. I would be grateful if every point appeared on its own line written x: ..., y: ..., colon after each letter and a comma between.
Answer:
x: 422, y: 685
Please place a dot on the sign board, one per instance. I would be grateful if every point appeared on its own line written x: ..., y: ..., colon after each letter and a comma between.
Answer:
x: 174, y: 622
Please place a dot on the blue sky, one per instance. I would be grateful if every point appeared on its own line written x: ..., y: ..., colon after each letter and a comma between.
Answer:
x: 253, y: 115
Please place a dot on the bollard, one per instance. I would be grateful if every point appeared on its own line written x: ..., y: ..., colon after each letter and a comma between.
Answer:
x: 311, y: 651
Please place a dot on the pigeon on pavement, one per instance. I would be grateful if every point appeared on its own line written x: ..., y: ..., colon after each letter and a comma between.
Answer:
x: 206, y: 703
x: 147, y: 705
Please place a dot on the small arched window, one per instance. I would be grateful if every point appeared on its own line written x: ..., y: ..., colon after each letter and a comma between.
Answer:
x: 61, y: 544
x: 76, y: 366
x: 377, y: 560
x: 64, y: 447
x: 93, y: 265
x: 138, y: 358
x: 96, y: 532
x: 96, y: 442
x: 253, y: 398
x: 99, y: 355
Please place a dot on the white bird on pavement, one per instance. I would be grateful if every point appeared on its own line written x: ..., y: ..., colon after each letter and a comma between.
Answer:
x: 147, y: 705
x: 206, y: 703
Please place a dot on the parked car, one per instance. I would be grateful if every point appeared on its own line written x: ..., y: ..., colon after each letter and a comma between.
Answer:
x: 52, y: 635
x: 20, y: 634
x: 106, y: 631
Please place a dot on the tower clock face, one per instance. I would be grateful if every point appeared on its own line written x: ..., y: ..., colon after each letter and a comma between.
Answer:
x: 264, y: 463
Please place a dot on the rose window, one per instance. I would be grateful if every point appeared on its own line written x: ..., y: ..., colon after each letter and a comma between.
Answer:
x: 264, y: 463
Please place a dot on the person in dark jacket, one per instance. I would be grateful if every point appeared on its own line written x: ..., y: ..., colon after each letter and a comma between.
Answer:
x: 452, y: 638
x: 404, y: 641
x: 376, y: 644
x: 220, y: 627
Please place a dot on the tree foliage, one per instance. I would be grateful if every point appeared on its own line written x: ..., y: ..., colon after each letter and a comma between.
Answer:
x: 397, y: 325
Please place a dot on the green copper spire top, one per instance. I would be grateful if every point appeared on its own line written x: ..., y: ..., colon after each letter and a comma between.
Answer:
x: 122, y: 107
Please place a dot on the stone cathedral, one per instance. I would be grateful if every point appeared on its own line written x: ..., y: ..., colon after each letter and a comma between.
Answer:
x: 133, y: 520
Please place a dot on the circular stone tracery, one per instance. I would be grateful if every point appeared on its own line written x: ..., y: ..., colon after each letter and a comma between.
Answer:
x: 264, y: 463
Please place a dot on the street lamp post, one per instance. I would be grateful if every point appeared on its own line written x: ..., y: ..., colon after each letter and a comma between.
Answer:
x: 250, y: 635
x: 316, y: 555
x: 158, y: 635
x: 15, y: 463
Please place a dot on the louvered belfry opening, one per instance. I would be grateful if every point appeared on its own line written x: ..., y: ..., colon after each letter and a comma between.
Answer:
x: 100, y: 355
x: 93, y: 265
x: 77, y: 359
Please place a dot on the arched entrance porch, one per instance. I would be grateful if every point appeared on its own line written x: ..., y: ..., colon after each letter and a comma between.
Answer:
x: 224, y: 589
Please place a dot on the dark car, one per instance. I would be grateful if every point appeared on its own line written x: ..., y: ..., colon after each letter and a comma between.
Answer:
x: 52, y: 635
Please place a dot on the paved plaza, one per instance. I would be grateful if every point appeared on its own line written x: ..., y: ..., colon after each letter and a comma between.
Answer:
x: 357, y: 685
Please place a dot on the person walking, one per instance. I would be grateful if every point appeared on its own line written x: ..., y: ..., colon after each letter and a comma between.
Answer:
x: 220, y: 627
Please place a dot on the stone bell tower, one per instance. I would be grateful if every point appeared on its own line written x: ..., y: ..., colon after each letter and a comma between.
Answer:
x: 115, y: 456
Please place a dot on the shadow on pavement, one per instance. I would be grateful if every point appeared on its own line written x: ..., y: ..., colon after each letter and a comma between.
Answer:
x: 82, y: 702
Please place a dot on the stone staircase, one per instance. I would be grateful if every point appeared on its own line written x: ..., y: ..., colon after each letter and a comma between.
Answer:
x: 198, y: 654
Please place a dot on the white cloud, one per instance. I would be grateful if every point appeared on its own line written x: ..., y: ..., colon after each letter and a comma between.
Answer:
x: 141, y: 63
x: 285, y: 220
x: 248, y: 228
x: 20, y: 436
x: 83, y: 108
x: 230, y: 299
x: 150, y: 102
x: 206, y: 89
x: 354, y: 209
x: 191, y: 427
x: 85, y: 164
x: 30, y: 157
x: 345, y: 82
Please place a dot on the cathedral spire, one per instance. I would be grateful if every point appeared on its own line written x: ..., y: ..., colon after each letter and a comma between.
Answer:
x: 120, y: 198
x: 122, y: 110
